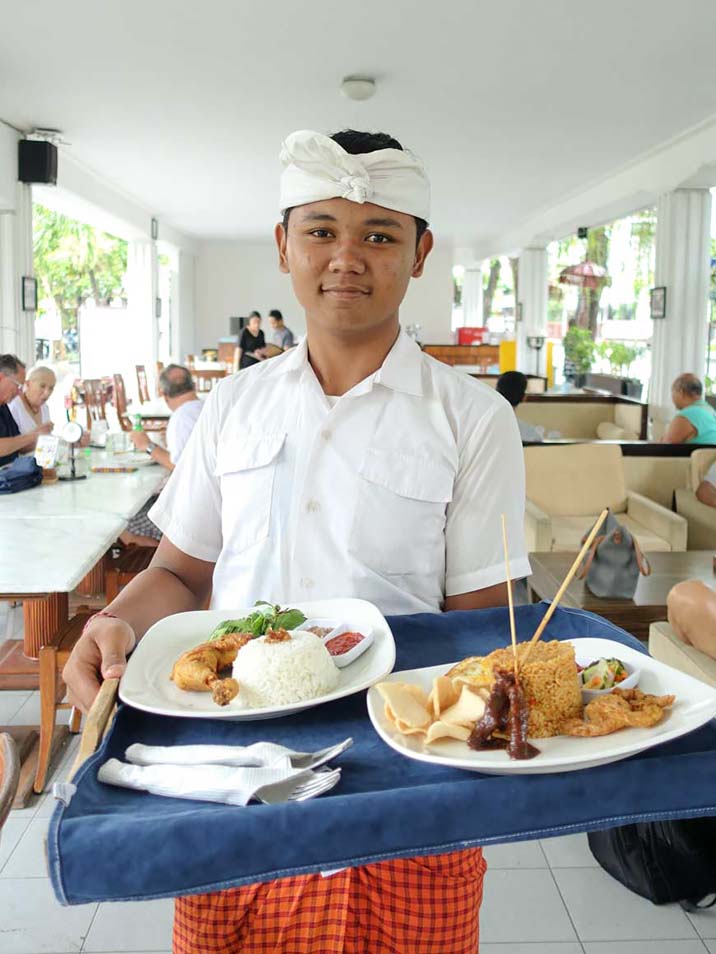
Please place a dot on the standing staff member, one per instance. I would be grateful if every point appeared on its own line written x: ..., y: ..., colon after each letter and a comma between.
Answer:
x: 373, y: 471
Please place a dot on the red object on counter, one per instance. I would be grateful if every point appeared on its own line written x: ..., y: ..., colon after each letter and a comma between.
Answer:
x: 469, y: 336
x: 343, y: 643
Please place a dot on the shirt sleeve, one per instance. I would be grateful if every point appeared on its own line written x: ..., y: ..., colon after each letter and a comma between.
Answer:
x: 490, y: 481
x: 188, y: 510
x: 178, y: 433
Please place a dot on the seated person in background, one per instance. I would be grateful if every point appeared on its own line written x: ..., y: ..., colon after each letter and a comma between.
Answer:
x: 281, y: 336
x: 12, y: 442
x: 176, y: 386
x: 251, y: 342
x: 706, y: 491
x: 30, y: 408
x: 512, y: 385
x: 695, y: 422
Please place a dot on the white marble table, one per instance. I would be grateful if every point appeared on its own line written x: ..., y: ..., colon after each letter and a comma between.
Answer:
x: 119, y: 494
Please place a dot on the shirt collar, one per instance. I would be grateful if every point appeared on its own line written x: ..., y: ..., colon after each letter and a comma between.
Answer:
x: 401, y: 370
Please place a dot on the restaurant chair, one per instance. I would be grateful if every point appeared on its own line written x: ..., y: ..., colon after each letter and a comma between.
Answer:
x: 160, y: 368
x: 9, y: 774
x: 700, y: 517
x: 53, y: 690
x: 568, y: 487
x: 190, y: 359
x: 121, y: 570
x: 142, y: 387
x: 120, y: 405
x: 204, y: 379
x: 666, y: 646
x: 94, y: 403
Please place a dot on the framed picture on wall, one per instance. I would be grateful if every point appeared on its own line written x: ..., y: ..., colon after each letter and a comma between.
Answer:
x: 29, y: 293
x: 658, y: 302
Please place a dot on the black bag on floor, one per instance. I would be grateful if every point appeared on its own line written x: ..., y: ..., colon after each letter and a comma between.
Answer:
x: 662, y: 861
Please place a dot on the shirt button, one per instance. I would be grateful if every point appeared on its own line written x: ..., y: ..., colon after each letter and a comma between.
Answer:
x: 313, y: 506
x: 326, y: 435
x: 306, y: 582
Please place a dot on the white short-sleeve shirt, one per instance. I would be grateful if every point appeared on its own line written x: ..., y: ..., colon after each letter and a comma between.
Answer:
x: 24, y: 420
x: 392, y: 492
x: 180, y: 426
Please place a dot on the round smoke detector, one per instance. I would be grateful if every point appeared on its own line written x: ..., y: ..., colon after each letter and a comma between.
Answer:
x: 358, y: 87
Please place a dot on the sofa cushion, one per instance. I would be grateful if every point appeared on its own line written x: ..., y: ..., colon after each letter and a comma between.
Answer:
x: 606, y: 431
x: 576, y: 479
x: 701, y: 460
x: 567, y: 533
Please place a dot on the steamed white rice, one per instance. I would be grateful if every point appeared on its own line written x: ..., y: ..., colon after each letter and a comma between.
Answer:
x: 277, y: 674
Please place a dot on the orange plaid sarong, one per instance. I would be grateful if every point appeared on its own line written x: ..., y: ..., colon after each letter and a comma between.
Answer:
x: 427, y: 905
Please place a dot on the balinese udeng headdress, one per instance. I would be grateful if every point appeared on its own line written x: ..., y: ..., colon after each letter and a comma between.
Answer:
x: 316, y: 168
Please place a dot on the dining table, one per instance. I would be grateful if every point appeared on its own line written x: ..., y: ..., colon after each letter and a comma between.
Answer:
x: 58, y: 533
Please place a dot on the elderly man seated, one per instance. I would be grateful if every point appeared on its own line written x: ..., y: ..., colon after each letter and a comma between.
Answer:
x: 12, y: 442
x: 177, y: 388
x: 695, y: 422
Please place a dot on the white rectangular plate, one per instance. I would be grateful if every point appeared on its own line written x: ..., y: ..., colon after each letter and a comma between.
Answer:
x: 695, y: 705
x: 146, y: 683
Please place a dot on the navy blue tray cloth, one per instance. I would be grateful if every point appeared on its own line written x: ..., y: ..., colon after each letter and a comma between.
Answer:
x: 112, y: 844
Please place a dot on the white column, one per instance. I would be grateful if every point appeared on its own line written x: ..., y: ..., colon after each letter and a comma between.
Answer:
x: 184, y: 333
x: 472, y: 296
x: 141, y: 286
x: 682, y: 266
x: 17, y: 327
x: 532, y: 297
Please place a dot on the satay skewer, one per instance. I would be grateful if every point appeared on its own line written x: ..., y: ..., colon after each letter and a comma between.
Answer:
x: 565, y: 583
x: 510, y: 602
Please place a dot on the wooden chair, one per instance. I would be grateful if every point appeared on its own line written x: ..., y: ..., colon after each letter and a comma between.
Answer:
x: 142, y: 387
x: 160, y: 368
x: 204, y: 379
x: 93, y: 401
x: 190, y: 359
x: 120, y: 405
x: 9, y: 774
x: 123, y: 569
x: 52, y: 691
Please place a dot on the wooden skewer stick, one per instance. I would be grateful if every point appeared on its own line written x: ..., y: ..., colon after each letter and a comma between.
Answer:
x: 513, y: 631
x: 567, y: 580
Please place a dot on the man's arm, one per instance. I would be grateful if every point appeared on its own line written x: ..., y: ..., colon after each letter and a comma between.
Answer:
x: 679, y: 431
x: 706, y: 493
x: 142, y: 441
x: 174, y: 583
x: 478, y: 599
x: 9, y: 445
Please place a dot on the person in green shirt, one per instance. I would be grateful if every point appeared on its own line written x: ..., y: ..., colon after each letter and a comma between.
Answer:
x: 695, y: 421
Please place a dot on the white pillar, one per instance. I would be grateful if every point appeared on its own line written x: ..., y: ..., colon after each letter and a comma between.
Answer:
x: 142, y: 285
x: 472, y: 296
x: 682, y: 266
x: 17, y: 327
x: 532, y: 310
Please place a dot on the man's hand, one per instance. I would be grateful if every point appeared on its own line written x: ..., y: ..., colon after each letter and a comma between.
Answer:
x: 140, y: 440
x: 99, y: 654
x: 43, y: 429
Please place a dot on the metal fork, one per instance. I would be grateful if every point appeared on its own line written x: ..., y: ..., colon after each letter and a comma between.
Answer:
x: 299, y: 790
x: 312, y: 760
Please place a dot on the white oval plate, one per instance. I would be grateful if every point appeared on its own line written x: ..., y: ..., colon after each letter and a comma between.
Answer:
x: 695, y: 705
x: 146, y: 684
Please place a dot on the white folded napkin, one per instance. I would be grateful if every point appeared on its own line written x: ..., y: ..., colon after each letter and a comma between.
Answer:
x: 260, y: 753
x: 205, y: 783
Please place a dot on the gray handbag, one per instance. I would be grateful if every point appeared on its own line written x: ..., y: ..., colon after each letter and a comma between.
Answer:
x: 613, y: 563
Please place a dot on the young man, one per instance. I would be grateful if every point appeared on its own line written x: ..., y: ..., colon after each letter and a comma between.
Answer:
x: 373, y: 471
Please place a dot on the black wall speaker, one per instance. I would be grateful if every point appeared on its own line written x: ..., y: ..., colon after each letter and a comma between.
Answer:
x: 37, y: 161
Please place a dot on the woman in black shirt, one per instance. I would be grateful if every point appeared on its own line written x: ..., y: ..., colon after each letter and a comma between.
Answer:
x: 251, y: 343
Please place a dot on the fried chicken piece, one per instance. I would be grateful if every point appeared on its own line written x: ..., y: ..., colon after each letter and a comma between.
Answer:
x: 619, y: 709
x: 277, y: 636
x: 197, y: 670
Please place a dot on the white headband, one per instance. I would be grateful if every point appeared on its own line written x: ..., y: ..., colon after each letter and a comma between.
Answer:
x: 316, y: 168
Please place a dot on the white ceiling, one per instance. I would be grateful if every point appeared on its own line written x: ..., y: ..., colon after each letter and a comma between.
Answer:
x: 513, y: 104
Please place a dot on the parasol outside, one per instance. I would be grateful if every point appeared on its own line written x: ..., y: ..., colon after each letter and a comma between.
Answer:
x: 586, y: 275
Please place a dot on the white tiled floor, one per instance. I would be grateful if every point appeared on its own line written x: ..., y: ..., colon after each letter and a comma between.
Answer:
x: 547, y: 897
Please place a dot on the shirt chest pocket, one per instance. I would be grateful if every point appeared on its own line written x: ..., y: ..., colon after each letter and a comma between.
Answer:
x: 247, y: 472
x: 399, y: 523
